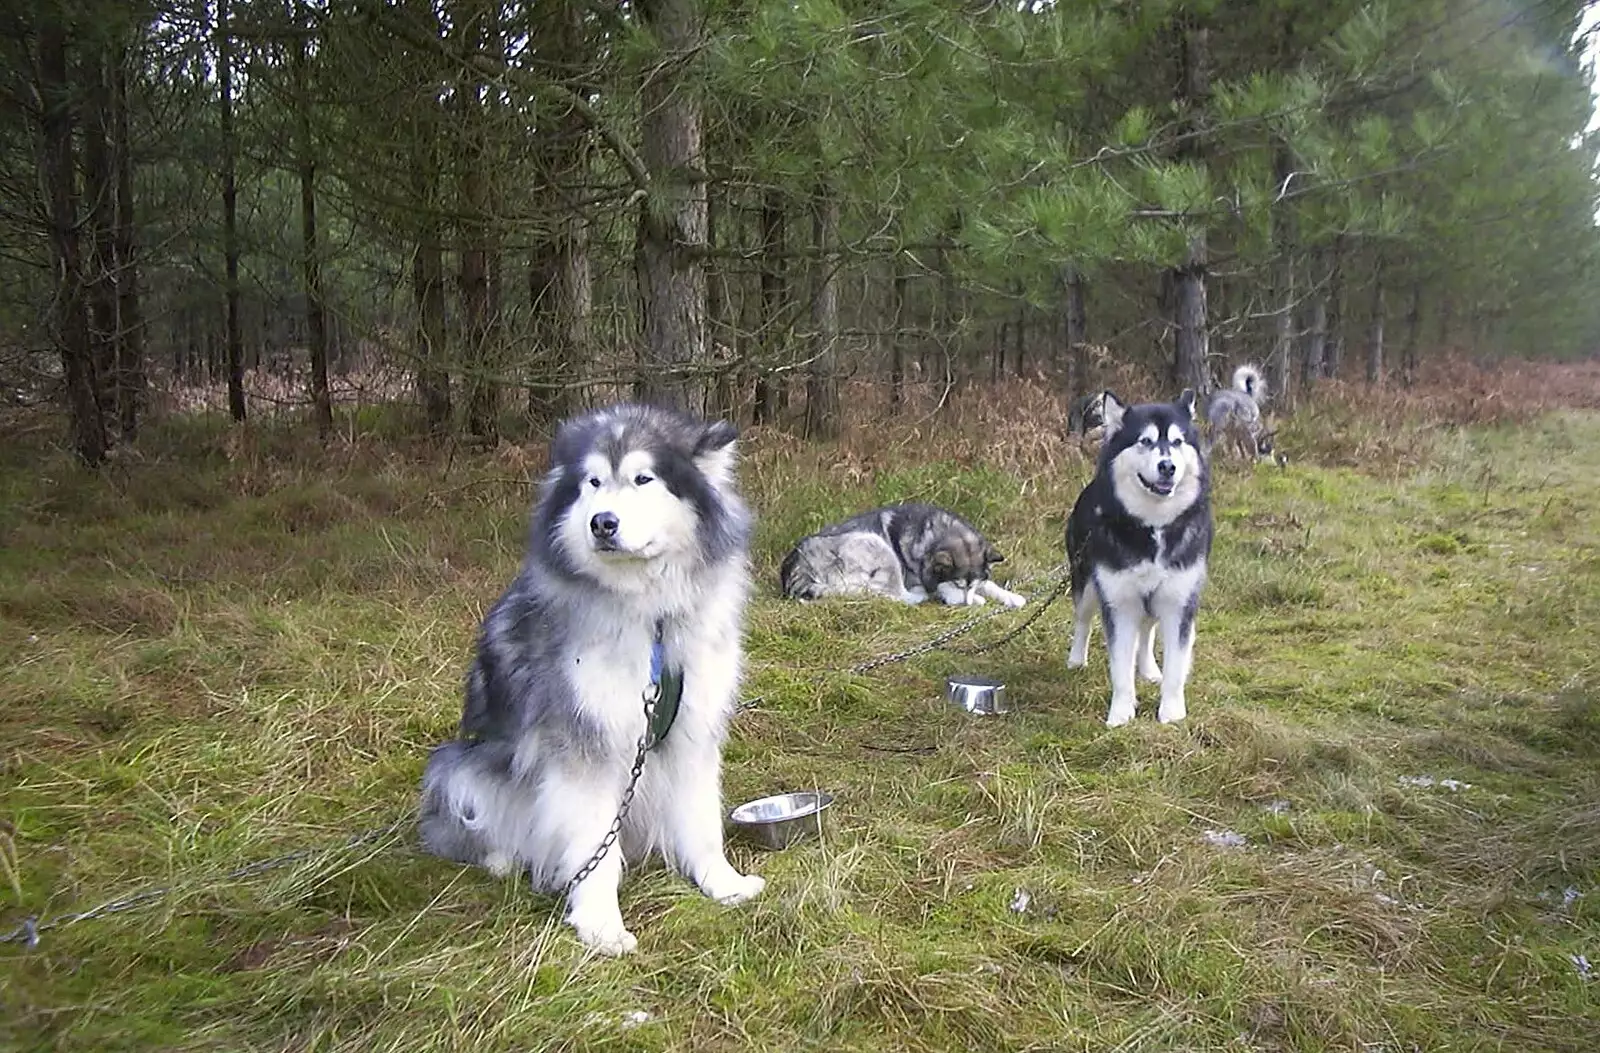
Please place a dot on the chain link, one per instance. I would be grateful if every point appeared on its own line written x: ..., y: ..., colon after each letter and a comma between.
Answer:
x: 652, y: 695
x: 27, y: 931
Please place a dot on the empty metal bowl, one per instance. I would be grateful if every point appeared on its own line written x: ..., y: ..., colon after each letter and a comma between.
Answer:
x: 782, y: 819
x: 977, y: 694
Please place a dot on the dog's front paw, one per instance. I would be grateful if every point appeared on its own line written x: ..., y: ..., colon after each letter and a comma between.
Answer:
x: 1119, y: 714
x: 1171, y: 711
x: 1013, y: 599
x: 608, y: 937
x: 1077, y: 659
x: 734, y: 887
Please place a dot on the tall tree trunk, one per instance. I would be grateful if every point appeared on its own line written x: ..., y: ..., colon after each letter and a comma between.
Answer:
x: 1280, y: 366
x: 770, y: 390
x: 1375, y: 330
x: 471, y: 30
x: 230, y: 214
x: 1408, y: 353
x: 69, y: 323
x: 1191, y: 336
x: 946, y: 324
x: 1020, y: 334
x: 1333, y: 341
x: 1076, y: 332
x: 1316, y: 340
x: 311, y: 265
x: 99, y: 185
x: 672, y: 217
x: 822, y: 377
x: 130, y: 316
x: 898, y: 337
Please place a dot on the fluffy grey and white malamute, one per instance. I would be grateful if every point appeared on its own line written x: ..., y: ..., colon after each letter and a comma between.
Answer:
x: 635, y: 579
x: 1137, y: 544
x: 1235, y: 414
x: 906, y: 552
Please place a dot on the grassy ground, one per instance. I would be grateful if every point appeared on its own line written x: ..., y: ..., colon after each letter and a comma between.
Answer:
x: 228, y: 649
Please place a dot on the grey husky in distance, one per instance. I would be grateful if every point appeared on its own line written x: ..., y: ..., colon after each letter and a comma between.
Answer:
x: 635, y: 581
x: 906, y: 552
x: 1234, y: 414
x: 1137, y: 544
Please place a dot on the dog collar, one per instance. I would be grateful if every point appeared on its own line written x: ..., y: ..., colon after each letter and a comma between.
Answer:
x: 669, y: 691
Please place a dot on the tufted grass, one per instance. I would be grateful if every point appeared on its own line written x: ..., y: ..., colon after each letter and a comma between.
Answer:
x: 232, y: 647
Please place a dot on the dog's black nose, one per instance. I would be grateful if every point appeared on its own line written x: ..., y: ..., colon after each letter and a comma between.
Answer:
x: 1165, y: 469
x: 604, y: 525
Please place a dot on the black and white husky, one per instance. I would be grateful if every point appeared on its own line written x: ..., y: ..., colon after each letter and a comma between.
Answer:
x: 635, y: 580
x: 1137, y: 543
x: 906, y: 552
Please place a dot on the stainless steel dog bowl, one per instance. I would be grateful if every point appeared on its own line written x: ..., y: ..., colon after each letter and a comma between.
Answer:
x: 978, y: 695
x: 782, y: 819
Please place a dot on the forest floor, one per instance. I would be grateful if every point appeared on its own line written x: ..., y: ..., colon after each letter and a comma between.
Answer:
x: 1379, y: 828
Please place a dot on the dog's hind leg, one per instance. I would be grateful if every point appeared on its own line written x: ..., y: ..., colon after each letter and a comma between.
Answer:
x: 1123, y: 631
x: 1084, y: 606
x: 1148, y: 668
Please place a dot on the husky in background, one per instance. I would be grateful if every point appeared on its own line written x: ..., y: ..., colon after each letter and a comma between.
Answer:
x: 635, y: 581
x: 1235, y: 414
x: 1086, y: 419
x: 906, y: 552
x: 1137, y: 544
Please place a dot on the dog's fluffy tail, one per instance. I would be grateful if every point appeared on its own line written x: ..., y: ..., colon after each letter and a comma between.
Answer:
x: 1249, y: 380
x: 459, y: 801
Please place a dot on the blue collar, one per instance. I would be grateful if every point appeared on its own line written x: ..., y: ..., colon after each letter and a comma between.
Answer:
x: 669, y: 685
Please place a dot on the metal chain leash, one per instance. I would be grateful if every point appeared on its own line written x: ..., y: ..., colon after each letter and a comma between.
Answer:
x: 652, y: 695
x: 970, y: 624
x: 27, y: 931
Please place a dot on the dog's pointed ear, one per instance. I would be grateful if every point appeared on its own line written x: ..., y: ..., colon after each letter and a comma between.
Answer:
x: 1186, y: 402
x: 1111, y: 411
x: 716, y: 451
x: 943, y: 561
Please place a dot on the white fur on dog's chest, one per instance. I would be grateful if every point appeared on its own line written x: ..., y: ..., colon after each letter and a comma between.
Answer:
x: 1151, y: 582
x: 609, y: 675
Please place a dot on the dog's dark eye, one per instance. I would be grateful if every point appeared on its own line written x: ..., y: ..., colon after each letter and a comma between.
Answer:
x: 642, y: 479
x: 1147, y: 443
x: 1178, y: 441
x: 594, y: 481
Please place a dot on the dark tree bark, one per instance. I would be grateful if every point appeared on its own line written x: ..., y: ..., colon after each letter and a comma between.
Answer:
x: 1375, y: 328
x: 1280, y: 362
x: 99, y: 187
x: 1408, y: 354
x: 1076, y: 333
x: 561, y: 293
x: 822, y: 376
x: 471, y: 30
x: 230, y: 214
x: 1316, y: 339
x: 1333, y: 340
x: 310, y: 263
x: 69, y: 322
x: 672, y: 217
x: 125, y: 263
x: 1192, y: 336
x: 898, y: 337
x: 771, y: 394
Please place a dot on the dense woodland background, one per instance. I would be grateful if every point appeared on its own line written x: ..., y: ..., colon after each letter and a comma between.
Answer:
x: 498, y: 212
